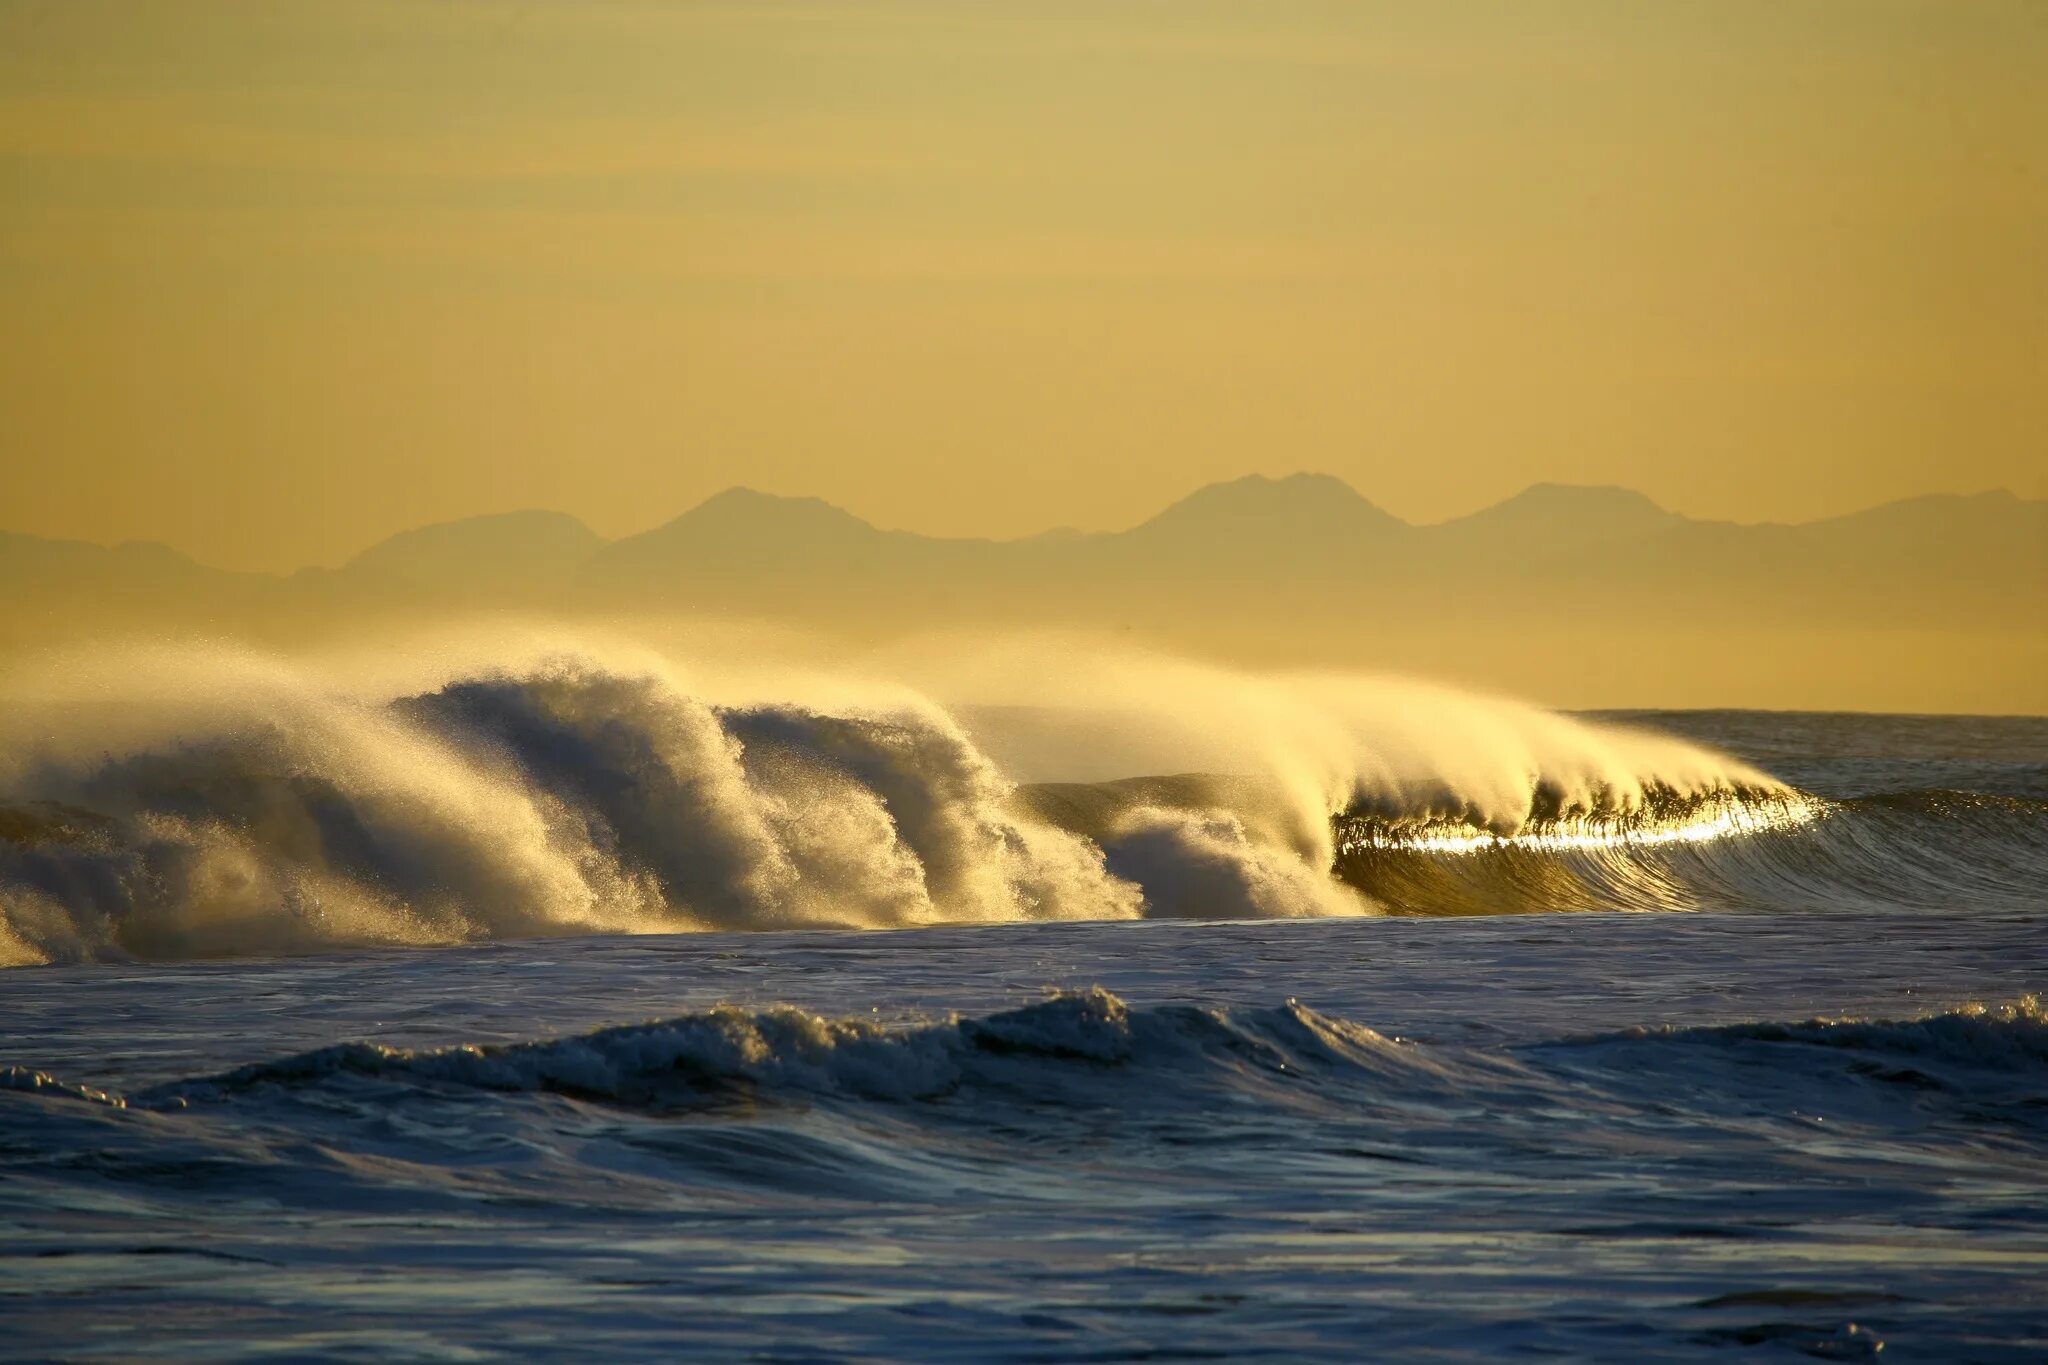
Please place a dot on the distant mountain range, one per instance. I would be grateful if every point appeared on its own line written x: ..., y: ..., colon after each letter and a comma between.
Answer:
x: 1297, y: 569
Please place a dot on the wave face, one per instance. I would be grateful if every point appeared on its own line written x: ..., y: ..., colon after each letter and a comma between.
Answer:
x: 244, y: 808
x: 1929, y: 850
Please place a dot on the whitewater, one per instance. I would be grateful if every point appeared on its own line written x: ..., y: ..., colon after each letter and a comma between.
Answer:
x: 581, y: 1001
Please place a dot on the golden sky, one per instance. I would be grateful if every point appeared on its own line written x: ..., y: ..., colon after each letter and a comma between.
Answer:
x: 277, y: 279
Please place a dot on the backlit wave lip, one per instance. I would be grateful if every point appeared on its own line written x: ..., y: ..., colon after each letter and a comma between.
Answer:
x: 1703, y: 821
x: 1760, y: 852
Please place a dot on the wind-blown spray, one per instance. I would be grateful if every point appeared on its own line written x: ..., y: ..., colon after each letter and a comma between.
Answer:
x: 186, y: 801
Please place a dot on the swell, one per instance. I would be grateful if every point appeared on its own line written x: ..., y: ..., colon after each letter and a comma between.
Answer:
x: 1091, y: 1048
x: 681, y: 1062
x: 2011, y: 1037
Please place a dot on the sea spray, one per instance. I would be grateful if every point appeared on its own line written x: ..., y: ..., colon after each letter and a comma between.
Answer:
x: 181, y: 801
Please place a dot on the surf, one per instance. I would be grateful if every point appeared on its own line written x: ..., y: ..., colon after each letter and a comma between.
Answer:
x: 188, y: 801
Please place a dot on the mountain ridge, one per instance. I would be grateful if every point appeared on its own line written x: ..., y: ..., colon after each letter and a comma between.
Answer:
x: 740, y: 507
x: 1591, y: 595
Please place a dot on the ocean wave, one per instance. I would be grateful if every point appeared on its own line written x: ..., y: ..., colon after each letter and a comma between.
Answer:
x: 1725, y: 850
x: 574, y: 798
x: 1070, y: 1047
x: 1091, y: 1049
x: 1755, y: 1183
x: 28, y: 1081
x: 566, y: 800
x: 2010, y: 1037
x: 785, y: 1049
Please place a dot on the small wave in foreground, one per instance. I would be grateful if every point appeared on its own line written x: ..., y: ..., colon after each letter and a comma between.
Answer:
x: 1064, y: 1049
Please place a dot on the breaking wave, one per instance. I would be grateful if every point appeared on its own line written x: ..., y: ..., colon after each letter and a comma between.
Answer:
x: 569, y: 800
x: 211, y: 805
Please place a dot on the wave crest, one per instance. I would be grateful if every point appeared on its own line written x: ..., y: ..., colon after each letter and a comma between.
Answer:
x: 682, y: 1060
x: 2011, y: 1036
x: 1087, y: 1048
x: 266, y: 812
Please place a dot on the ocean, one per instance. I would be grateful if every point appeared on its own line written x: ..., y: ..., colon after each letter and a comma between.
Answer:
x: 785, y: 1035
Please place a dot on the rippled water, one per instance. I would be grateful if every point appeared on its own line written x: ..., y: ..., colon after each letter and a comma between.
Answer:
x: 1793, y: 1132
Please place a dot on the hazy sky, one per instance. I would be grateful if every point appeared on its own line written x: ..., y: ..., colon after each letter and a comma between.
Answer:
x: 279, y: 278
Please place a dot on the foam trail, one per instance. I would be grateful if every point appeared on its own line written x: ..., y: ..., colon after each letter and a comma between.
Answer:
x: 1208, y: 866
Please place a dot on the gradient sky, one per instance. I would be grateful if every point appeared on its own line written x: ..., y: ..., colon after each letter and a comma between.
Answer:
x: 281, y: 278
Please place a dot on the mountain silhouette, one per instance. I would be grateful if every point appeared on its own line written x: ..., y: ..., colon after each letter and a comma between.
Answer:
x: 504, y: 551
x: 1294, y: 570
x: 1318, y: 508
x: 1559, y: 517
